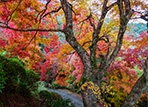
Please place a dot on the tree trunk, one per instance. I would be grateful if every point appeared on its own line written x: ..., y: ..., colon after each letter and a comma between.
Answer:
x: 89, y: 99
x: 138, y: 88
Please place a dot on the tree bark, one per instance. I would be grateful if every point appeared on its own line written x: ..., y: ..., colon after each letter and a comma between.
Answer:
x: 138, y: 88
x: 89, y: 99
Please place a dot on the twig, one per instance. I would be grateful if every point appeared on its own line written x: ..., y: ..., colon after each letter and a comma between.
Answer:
x: 53, y: 11
x: 13, y: 11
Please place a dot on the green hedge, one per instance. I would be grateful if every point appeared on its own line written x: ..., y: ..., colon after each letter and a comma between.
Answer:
x: 14, y: 77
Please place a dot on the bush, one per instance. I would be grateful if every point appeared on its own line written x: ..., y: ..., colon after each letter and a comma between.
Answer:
x: 2, y: 76
x: 2, y: 80
x: 16, y: 80
x: 15, y: 77
x: 31, y: 78
x: 1, y: 104
x: 51, y: 99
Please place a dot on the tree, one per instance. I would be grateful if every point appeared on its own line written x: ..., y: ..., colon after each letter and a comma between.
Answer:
x: 44, y: 15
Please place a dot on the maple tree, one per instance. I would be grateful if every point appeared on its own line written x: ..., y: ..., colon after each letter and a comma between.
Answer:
x: 74, y: 35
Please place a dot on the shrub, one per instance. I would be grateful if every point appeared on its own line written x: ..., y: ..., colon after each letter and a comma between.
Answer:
x: 2, y: 80
x: 51, y: 99
x: 31, y: 78
x: 16, y: 78
x: 2, y: 76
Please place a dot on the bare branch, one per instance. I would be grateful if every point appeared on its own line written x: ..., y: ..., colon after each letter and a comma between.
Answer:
x: 29, y: 30
x: 30, y: 40
x: 101, y: 20
x: 41, y: 13
x: 105, y: 38
x: 91, y: 23
x: 86, y: 43
x: 53, y: 11
x: 112, y: 5
x: 3, y: 1
x: 87, y: 18
x: 82, y: 22
x: 3, y: 23
x: 80, y: 29
x: 10, y: 16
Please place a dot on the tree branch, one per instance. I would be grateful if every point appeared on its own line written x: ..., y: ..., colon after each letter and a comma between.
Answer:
x: 34, y: 36
x: 101, y: 20
x: 3, y: 1
x: 95, y: 37
x: 41, y: 13
x: 124, y: 19
x: 91, y: 23
x: 53, y: 11
x: 68, y: 30
x: 10, y: 16
x: 29, y: 30
x: 139, y: 87
x: 127, y: 7
x: 123, y: 23
x: 86, y: 43
x: 112, y: 5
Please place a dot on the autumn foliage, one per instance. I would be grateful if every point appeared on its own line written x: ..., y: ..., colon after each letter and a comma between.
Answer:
x: 34, y: 30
